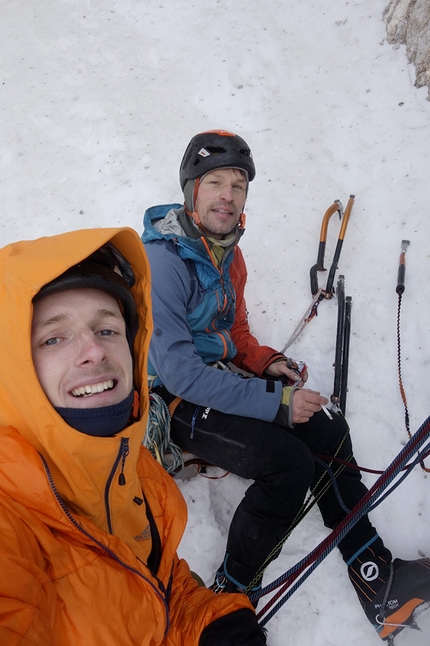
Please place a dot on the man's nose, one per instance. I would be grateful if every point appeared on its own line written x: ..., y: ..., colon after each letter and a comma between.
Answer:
x: 226, y: 193
x: 90, y: 349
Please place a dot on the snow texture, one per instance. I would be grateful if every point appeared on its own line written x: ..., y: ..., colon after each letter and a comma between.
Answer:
x: 99, y: 100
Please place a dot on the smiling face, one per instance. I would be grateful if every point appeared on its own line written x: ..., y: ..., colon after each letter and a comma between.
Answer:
x: 80, y: 349
x: 220, y: 200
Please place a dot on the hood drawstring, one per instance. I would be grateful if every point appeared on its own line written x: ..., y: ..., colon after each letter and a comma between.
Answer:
x: 135, y: 409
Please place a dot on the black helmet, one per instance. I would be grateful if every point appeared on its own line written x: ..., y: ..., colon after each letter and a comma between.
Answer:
x: 106, y: 269
x: 215, y: 149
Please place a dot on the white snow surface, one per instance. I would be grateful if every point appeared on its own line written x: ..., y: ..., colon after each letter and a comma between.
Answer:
x: 99, y: 100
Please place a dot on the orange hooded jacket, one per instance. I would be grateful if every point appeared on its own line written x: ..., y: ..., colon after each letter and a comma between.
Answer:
x: 73, y: 540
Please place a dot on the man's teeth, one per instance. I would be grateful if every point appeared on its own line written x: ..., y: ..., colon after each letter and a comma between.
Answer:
x: 93, y: 388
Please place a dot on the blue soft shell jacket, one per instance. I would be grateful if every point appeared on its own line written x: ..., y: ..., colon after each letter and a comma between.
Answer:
x: 193, y: 304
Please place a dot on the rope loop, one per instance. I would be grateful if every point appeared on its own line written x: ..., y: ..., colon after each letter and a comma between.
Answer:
x: 157, y: 437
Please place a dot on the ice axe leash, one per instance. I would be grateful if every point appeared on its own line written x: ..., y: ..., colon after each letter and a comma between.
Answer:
x: 320, y: 293
x: 400, y: 288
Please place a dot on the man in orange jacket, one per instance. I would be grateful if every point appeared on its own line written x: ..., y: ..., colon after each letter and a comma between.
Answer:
x: 265, y: 428
x: 89, y: 522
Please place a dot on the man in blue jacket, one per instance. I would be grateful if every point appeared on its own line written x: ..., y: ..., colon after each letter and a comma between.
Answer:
x: 263, y: 428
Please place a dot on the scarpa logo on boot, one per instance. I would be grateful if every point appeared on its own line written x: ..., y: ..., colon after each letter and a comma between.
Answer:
x: 369, y: 571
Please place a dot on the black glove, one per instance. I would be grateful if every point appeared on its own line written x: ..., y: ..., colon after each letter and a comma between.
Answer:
x: 239, y: 628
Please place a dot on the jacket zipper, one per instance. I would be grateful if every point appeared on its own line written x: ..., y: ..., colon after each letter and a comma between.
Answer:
x: 106, y: 549
x: 220, y: 270
x: 121, y: 457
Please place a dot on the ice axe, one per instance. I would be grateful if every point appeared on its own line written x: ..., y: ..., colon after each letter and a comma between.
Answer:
x: 402, y: 268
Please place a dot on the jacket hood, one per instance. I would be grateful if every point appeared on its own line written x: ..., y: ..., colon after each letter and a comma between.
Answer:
x: 78, y: 463
x: 162, y: 222
x: 171, y: 222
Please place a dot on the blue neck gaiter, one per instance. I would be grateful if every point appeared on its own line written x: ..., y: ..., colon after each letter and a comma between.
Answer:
x: 99, y: 422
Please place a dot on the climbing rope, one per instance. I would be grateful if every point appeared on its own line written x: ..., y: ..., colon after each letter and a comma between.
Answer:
x: 157, y: 436
x: 370, y: 501
x: 315, y: 495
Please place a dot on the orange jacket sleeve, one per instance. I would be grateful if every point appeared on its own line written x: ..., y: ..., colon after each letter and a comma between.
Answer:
x: 192, y: 608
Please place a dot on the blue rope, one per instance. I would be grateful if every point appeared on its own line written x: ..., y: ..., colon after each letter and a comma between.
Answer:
x: 333, y: 482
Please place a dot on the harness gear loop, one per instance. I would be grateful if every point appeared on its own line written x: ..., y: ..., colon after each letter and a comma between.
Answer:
x: 174, y: 405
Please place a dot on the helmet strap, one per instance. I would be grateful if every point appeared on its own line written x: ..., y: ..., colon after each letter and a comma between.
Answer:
x: 196, y: 190
x: 195, y: 216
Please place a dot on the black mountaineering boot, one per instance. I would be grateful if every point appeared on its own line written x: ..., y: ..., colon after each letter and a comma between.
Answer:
x: 390, y: 592
x: 226, y: 582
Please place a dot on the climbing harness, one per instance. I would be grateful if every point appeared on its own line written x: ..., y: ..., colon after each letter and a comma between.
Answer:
x: 293, y: 578
x: 400, y: 288
x: 319, y: 293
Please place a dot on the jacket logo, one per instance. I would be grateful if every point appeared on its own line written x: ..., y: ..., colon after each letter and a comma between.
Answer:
x: 206, y: 413
x: 143, y: 536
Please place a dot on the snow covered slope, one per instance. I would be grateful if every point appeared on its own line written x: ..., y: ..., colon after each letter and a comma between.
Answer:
x: 97, y: 103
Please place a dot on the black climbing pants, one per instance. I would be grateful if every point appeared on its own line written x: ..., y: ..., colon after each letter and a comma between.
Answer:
x: 280, y: 462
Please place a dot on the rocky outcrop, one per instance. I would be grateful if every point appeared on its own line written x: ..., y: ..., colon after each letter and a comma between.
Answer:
x: 408, y: 23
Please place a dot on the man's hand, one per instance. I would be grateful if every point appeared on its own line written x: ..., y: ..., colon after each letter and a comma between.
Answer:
x: 280, y: 368
x: 306, y: 403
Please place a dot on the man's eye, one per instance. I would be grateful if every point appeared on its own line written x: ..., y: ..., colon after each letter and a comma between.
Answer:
x: 53, y: 341
x: 106, y: 333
